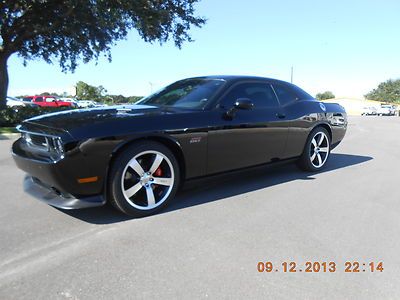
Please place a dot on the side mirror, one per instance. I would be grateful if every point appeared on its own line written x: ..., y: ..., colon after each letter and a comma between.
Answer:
x: 244, y: 103
x: 241, y: 103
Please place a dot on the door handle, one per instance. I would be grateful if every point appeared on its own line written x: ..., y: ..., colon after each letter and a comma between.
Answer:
x: 281, y: 115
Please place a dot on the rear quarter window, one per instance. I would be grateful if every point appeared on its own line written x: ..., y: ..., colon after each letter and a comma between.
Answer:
x: 290, y: 93
x: 285, y: 95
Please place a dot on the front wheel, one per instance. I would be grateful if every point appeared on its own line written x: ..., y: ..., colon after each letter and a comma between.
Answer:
x: 143, y: 179
x: 316, y: 151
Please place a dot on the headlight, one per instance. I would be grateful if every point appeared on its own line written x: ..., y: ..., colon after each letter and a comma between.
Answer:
x: 43, y: 143
x: 55, y: 145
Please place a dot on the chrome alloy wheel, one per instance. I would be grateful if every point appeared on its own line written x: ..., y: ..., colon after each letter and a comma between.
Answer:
x: 147, y: 180
x: 319, y: 150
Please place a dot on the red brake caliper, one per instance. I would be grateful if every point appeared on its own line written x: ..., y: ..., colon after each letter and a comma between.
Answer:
x: 158, y: 172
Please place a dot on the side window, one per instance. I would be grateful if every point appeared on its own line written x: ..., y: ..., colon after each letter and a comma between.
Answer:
x: 284, y: 94
x: 39, y: 99
x: 261, y: 94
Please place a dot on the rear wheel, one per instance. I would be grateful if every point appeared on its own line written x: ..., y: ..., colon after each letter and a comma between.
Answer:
x: 316, y: 151
x: 143, y: 179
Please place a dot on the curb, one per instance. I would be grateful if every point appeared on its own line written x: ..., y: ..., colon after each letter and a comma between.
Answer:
x: 8, y: 136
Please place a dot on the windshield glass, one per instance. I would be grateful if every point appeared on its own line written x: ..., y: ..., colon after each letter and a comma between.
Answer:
x: 189, y: 93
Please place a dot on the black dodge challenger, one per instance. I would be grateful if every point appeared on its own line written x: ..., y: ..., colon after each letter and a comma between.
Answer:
x: 136, y: 156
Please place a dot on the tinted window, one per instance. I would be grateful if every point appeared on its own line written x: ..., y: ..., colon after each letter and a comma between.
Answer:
x: 28, y: 99
x: 189, y: 93
x: 39, y: 99
x: 302, y: 95
x: 290, y: 93
x: 285, y: 95
x: 261, y: 94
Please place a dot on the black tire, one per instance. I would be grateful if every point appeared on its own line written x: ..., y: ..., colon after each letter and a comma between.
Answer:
x: 144, y: 154
x: 306, y: 161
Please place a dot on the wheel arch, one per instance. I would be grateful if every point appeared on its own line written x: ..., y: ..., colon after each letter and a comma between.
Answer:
x: 304, y: 163
x: 167, y: 141
x: 325, y: 126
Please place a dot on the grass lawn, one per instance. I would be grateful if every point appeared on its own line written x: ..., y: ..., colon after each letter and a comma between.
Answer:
x: 8, y: 130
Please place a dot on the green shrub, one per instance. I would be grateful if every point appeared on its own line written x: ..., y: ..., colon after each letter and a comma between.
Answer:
x: 12, y: 116
x: 325, y: 95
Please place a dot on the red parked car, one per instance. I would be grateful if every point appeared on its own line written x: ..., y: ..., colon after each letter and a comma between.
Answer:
x: 48, y: 101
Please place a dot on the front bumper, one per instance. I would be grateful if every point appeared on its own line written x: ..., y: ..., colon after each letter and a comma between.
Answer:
x: 53, y: 197
x: 56, y: 182
x: 63, y: 174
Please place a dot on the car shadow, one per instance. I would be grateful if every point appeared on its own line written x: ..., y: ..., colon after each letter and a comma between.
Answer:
x: 214, y: 188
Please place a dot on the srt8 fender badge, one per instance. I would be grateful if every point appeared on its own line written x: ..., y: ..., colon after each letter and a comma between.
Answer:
x: 196, y: 139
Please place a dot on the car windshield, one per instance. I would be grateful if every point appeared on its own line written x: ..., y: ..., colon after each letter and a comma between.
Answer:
x: 189, y: 93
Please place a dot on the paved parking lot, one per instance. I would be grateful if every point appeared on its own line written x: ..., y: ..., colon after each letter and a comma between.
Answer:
x: 209, y: 242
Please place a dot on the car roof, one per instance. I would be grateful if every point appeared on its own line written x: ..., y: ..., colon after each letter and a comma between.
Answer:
x: 239, y: 78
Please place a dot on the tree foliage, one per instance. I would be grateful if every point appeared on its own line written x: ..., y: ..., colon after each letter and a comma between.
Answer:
x: 72, y: 30
x: 325, y: 95
x: 118, y: 99
x: 388, y: 91
x: 85, y: 91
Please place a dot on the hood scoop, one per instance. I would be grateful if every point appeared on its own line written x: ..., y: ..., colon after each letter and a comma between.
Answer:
x: 133, y: 107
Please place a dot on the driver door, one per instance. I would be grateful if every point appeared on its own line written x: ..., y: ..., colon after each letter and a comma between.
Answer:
x: 250, y: 137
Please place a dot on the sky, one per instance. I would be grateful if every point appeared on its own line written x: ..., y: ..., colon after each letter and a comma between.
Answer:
x: 347, y: 47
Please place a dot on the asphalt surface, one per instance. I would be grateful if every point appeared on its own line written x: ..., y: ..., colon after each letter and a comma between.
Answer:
x: 208, y: 244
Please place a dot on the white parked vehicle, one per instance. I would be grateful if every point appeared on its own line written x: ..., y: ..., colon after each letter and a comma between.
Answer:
x: 368, y: 111
x: 71, y: 100
x: 386, y: 110
x: 88, y: 104
x: 14, y: 102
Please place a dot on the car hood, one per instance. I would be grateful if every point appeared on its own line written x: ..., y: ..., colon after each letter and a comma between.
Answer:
x: 102, y: 120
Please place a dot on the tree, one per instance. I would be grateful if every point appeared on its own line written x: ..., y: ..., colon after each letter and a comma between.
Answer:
x: 49, y: 94
x: 388, y: 91
x: 133, y: 99
x: 325, y: 95
x: 85, y: 91
x: 118, y: 99
x: 74, y: 30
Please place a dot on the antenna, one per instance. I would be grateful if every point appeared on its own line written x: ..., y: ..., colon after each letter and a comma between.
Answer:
x: 291, y: 75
